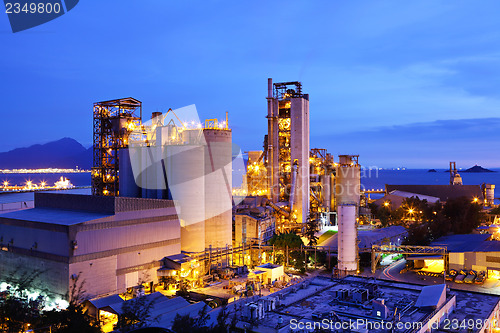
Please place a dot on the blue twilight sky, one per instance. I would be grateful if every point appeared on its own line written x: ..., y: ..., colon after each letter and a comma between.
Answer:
x: 402, y: 83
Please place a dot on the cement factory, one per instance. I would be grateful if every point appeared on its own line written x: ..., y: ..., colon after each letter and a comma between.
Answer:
x: 163, y: 208
x: 165, y: 162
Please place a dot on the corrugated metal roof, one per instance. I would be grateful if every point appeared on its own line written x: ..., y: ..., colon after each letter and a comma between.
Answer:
x: 431, y: 295
x: 193, y: 310
x: 167, y: 305
x: 53, y: 216
x: 468, y: 243
x: 367, y: 238
x: 404, y: 194
x: 160, y: 304
x: 99, y: 303
x: 443, y: 192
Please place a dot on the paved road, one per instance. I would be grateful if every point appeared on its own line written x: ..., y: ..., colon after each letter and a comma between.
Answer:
x: 392, y: 272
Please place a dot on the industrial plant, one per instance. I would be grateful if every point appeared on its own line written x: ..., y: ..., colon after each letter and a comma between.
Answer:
x: 164, y: 217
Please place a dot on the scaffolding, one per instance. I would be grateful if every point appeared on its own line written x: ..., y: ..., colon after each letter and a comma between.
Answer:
x: 114, y: 120
x: 377, y: 250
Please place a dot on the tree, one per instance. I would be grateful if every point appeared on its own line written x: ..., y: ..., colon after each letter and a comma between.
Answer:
x: 310, y: 232
x: 72, y: 319
x: 458, y: 216
x: 186, y: 323
x: 298, y: 261
x: 290, y: 239
x: 183, y: 289
x: 167, y: 281
x: 135, y: 313
x: 464, y: 215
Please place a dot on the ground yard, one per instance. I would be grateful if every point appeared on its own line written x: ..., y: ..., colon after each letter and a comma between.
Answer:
x: 326, y: 235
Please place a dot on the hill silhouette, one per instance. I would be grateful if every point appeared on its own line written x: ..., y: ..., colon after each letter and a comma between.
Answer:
x: 477, y: 168
x: 63, y: 153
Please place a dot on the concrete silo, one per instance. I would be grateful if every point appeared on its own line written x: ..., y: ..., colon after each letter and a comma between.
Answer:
x: 218, y: 186
x: 347, y: 238
x: 347, y: 190
x: 348, y: 180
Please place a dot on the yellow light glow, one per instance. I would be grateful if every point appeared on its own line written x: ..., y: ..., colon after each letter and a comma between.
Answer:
x: 494, y: 274
x: 386, y: 203
x: 410, y: 210
x: 5, y: 183
x: 130, y: 126
x: 475, y: 199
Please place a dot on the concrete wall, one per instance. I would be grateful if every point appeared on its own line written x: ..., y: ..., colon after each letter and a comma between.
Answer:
x: 53, y: 241
x: 475, y: 260
x: 52, y: 277
x: 299, y: 114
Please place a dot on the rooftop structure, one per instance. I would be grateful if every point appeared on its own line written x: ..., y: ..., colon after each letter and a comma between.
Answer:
x: 443, y: 192
x: 111, y: 243
x: 395, y: 198
x: 366, y: 238
x: 370, y: 305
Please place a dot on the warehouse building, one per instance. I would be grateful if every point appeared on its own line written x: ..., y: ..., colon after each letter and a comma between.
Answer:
x: 472, y: 252
x: 443, y: 192
x: 111, y: 243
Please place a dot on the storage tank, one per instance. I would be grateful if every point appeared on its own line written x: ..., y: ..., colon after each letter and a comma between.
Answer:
x: 218, y: 187
x: 348, y: 182
x: 184, y: 166
x: 347, y: 238
x: 326, y: 190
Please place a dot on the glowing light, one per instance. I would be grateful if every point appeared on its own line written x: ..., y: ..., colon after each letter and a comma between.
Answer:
x: 475, y: 199
x: 410, y: 210
x: 5, y: 183
x: 386, y: 203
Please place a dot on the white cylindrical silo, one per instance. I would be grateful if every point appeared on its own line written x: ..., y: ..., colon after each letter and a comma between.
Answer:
x: 347, y: 238
x: 218, y: 188
x: 184, y: 166
x: 348, y: 183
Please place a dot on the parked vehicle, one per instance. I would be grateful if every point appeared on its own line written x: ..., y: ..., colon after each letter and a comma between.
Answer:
x: 451, y: 275
x: 481, y: 277
x: 470, y: 277
x: 460, y: 277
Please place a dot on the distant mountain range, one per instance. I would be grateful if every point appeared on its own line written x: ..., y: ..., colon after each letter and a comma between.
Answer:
x: 64, y: 153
